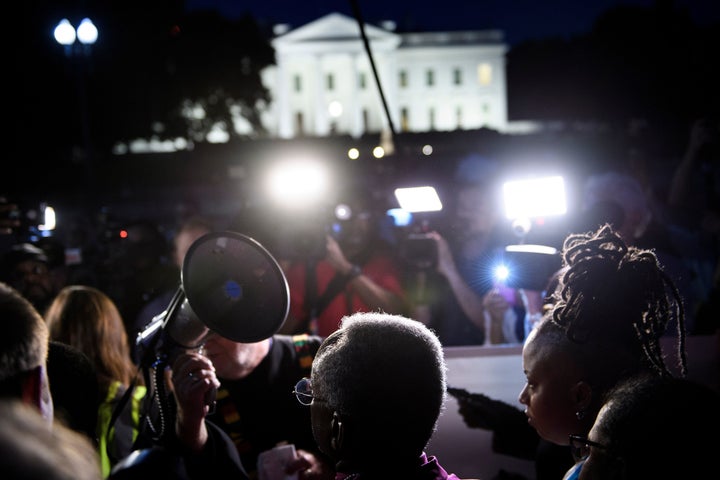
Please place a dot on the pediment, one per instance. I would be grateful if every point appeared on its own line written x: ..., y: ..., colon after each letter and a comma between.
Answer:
x: 333, y: 27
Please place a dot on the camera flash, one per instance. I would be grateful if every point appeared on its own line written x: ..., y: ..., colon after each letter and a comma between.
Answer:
x: 501, y: 273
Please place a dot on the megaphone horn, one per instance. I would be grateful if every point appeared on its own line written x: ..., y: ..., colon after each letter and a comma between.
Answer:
x: 230, y: 284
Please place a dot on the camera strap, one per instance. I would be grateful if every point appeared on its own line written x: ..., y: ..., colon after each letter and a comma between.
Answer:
x: 311, y: 296
x: 335, y: 286
x: 318, y: 304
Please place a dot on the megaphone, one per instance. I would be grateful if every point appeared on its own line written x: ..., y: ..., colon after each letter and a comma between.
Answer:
x: 230, y: 285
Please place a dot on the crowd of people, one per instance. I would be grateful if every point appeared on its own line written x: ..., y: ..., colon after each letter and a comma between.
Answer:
x: 362, y: 347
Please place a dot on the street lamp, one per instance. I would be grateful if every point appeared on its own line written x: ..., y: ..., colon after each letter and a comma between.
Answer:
x: 78, y: 43
x: 65, y: 34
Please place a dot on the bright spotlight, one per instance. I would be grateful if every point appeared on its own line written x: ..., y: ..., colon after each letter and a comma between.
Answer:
x: 87, y: 32
x: 501, y: 273
x: 49, y: 220
x: 418, y: 199
x: 64, y: 32
x: 531, y: 249
x: 537, y: 197
x: 297, y: 184
x: 343, y: 211
x: 353, y: 153
x: 378, y: 152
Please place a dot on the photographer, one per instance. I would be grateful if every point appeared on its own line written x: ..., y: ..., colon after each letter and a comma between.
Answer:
x: 358, y: 272
x: 459, y: 298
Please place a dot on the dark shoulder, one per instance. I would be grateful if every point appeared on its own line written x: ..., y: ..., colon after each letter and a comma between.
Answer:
x: 295, y: 352
x: 74, y: 386
x: 297, y: 344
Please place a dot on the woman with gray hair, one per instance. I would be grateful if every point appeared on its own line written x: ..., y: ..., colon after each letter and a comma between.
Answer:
x: 376, y: 391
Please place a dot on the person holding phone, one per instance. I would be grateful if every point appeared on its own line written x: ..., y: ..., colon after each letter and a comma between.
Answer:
x: 460, y: 297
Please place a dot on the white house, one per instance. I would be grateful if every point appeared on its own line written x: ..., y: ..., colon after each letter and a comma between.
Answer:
x: 324, y: 83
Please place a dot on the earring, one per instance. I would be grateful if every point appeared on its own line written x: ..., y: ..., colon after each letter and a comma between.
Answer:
x: 580, y: 414
x: 337, y: 432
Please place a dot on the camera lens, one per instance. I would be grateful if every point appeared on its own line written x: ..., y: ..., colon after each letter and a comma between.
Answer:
x: 419, y: 251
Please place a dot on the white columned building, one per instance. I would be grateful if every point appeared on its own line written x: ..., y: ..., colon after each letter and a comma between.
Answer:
x: 324, y: 84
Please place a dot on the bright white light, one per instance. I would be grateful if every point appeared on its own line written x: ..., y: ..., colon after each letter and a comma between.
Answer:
x: 378, y: 152
x: 343, y: 212
x: 427, y: 149
x: 536, y: 197
x: 418, y: 199
x: 50, y: 221
x: 64, y: 33
x: 401, y: 217
x: 353, y: 153
x: 501, y: 273
x: 158, y: 145
x: 198, y: 112
x: 218, y: 134
x: 531, y: 249
x: 335, y: 109
x: 87, y: 33
x: 297, y: 184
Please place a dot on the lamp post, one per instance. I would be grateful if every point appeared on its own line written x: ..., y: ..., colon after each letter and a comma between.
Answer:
x: 77, y: 44
x: 65, y: 34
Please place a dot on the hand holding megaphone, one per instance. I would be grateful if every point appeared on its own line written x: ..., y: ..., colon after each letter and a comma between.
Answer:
x: 230, y: 285
x: 194, y: 386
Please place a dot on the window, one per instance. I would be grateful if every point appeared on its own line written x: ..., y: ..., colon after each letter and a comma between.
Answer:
x: 403, y: 79
x: 299, y: 124
x: 432, y: 118
x: 404, y: 119
x: 457, y: 76
x: 430, y: 78
x: 330, y: 81
x: 365, y: 119
x: 297, y: 83
x: 484, y: 74
x: 458, y: 117
x: 362, y: 81
x: 486, y: 108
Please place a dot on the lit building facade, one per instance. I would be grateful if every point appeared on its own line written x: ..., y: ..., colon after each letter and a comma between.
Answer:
x: 323, y: 82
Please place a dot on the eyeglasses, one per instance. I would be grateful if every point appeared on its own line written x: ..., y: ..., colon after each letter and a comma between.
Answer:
x: 580, y: 447
x: 304, y: 393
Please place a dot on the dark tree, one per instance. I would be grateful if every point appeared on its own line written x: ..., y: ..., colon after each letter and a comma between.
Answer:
x: 638, y: 63
x: 199, y: 60
x: 550, y: 79
x: 151, y: 60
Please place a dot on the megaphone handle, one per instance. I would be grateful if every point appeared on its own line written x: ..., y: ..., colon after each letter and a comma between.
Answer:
x: 210, y: 400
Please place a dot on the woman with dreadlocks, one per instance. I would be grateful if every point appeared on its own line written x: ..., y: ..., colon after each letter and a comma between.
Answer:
x: 611, y: 307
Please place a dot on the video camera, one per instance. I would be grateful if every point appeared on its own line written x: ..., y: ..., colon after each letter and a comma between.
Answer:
x: 528, y: 267
x: 304, y: 236
x: 417, y: 205
x: 419, y: 250
x: 523, y: 266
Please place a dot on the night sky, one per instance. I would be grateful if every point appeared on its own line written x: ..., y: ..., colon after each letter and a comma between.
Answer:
x: 519, y: 19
